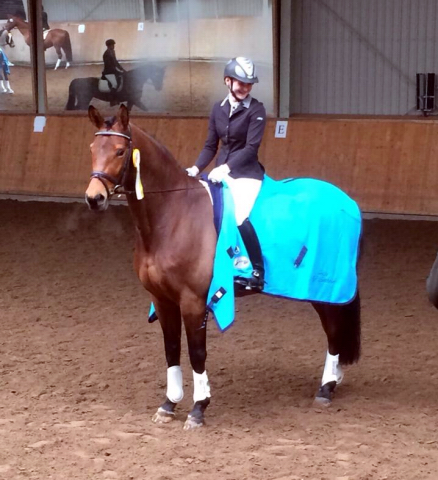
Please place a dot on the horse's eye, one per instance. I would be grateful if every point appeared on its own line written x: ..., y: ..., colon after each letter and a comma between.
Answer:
x: 120, y: 152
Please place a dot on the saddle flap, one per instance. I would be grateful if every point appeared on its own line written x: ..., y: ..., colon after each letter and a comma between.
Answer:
x: 104, y: 85
x: 106, y: 80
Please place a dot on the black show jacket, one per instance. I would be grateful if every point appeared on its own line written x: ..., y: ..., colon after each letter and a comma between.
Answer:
x: 240, y: 136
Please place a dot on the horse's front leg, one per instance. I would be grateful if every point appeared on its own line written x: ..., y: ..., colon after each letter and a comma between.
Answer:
x: 139, y: 103
x: 195, y: 322
x: 169, y: 316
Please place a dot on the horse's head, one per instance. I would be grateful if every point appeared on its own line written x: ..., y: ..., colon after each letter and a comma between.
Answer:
x: 11, y: 23
x: 110, y: 156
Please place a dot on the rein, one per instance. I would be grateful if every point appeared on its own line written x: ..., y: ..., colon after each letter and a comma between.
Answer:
x: 121, y: 179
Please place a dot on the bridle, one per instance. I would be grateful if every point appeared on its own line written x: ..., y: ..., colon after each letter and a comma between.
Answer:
x: 120, y: 180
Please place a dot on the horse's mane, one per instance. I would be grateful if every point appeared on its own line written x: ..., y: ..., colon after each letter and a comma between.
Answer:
x: 110, y: 122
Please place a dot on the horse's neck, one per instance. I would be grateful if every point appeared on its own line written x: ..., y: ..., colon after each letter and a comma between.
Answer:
x: 160, y: 171
x: 23, y: 27
x: 169, y: 192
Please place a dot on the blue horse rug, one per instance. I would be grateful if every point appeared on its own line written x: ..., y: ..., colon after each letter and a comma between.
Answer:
x: 309, y: 232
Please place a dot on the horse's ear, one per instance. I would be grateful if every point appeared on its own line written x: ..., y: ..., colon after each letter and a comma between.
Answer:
x: 95, y: 117
x: 123, y: 116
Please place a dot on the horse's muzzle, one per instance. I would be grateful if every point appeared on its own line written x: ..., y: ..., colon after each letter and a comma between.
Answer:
x: 97, y: 203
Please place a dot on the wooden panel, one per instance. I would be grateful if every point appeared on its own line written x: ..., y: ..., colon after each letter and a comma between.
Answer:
x: 387, y: 165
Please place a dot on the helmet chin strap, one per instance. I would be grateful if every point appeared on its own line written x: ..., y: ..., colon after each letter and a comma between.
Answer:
x: 230, y: 88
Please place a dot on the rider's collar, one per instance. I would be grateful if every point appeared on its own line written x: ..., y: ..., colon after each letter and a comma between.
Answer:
x: 245, y: 103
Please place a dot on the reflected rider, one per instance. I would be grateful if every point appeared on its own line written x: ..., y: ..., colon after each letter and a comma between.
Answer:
x: 45, y: 19
x: 112, y: 66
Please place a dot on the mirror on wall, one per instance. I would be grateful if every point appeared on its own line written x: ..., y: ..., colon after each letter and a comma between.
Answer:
x: 156, y: 56
x: 16, y: 92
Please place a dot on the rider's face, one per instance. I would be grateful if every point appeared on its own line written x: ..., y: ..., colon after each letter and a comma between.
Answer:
x: 240, y: 89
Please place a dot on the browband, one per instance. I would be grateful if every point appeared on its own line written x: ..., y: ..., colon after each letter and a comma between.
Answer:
x: 111, y: 133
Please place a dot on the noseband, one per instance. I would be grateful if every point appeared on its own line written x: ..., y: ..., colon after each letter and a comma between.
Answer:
x: 119, y: 181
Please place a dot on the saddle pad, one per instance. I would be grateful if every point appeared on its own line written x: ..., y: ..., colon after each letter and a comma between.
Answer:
x: 309, y: 231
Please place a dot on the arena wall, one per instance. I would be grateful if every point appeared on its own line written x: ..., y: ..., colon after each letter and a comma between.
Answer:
x: 387, y: 165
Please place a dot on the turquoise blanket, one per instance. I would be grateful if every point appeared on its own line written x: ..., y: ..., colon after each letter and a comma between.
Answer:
x: 309, y: 231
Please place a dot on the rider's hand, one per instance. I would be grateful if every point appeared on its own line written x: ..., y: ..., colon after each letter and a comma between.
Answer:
x: 219, y: 173
x: 192, y: 171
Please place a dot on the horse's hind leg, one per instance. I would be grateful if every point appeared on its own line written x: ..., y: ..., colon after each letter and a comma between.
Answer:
x: 341, y: 324
x: 169, y: 316
x: 59, y: 53
x: 196, y: 329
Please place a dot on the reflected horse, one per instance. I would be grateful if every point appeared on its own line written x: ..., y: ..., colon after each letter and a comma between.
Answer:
x: 56, y: 38
x: 82, y: 90
x: 175, y: 242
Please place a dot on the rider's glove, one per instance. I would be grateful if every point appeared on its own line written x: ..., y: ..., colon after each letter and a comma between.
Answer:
x: 219, y: 173
x: 192, y: 171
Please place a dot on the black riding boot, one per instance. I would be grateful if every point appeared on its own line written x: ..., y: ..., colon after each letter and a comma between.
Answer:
x: 251, y: 241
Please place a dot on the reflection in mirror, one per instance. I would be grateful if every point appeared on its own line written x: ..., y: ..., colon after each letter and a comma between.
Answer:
x: 156, y: 56
x: 15, y: 64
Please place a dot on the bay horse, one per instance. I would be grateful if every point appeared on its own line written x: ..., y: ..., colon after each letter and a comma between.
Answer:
x: 82, y: 90
x: 174, y: 215
x: 57, y: 38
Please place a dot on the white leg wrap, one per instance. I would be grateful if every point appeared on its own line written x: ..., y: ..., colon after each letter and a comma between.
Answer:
x: 175, y: 392
x: 8, y: 87
x: 58, y: 63
x: 332, y: 370
x: 201, y: 386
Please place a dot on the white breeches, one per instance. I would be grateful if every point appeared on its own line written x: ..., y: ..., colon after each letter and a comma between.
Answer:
x: 244, y: 192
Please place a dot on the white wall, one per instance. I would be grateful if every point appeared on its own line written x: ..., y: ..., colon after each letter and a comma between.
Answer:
x: 361, y: 56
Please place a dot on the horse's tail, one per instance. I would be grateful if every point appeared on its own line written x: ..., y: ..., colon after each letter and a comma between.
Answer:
x: 71, y: 102
x: 348, y: 338
x: 67, y: 47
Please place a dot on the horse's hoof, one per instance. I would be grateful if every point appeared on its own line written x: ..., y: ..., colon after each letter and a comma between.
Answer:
x: 163, y: 416
x: 193, y: 422
x: 321, y: 402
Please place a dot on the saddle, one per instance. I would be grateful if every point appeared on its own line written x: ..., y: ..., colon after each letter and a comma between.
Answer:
x: 45, y: 33
x: 108, y: 82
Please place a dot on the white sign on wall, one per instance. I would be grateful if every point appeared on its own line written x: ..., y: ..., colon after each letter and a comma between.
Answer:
x: 81, y: 28
x: 281, y: 129
x: 140, y: 26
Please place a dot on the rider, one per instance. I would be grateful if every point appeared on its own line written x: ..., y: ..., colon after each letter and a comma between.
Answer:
x: 239, y: 122
x: 45, y: 19
x: 111, y: 65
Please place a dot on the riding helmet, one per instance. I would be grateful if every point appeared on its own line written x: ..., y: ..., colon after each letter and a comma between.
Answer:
x: 110, y: 42
x: 242, y: 69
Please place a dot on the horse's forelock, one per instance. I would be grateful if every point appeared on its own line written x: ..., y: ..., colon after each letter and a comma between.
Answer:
x: 109, y: 122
